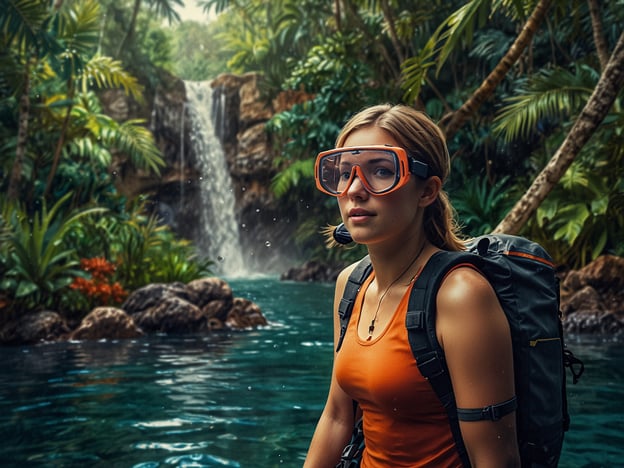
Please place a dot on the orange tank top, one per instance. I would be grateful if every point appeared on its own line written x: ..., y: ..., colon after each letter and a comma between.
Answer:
x: 405, y: 424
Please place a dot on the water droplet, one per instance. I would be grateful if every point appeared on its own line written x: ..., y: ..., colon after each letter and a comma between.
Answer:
x: 267, y: 243
x: 220, y: 258
x: 257, y: 210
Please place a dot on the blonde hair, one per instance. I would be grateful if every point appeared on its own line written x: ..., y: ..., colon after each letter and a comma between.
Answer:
x: 419, y: 136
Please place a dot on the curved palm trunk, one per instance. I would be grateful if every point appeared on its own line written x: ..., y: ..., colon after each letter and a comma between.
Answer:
x: 599, y: 40
x: 597, y: 107
x: 22, y: 138
x: 461, y: 115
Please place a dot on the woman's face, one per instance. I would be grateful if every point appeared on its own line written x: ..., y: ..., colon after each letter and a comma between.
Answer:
x: 374, y: 219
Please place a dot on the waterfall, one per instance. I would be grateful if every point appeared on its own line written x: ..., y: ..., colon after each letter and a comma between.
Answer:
x: 219, y: 238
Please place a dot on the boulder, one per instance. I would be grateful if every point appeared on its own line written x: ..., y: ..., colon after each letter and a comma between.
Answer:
x: 206, y: 290
x: 244, y: 314
x: 106, y: 323
x: 171, y: 315
x: 152, y: 295
x: 35, y: 327
x: 592, y: 298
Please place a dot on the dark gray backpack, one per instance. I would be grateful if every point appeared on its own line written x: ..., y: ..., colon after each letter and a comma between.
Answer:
x: 522, y: 274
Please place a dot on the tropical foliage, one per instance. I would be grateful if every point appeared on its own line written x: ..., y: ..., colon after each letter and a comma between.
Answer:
x: 60, y: 209
x: 506, y: 81
x: 509, y: 82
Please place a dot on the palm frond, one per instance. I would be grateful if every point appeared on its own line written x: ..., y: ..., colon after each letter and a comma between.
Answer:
x: 86, y: 149
x: 137, y: 142
x: 219, y: 6
x: 105, y: 72
x: 166, y: 9
x: 551, y: 94
x: 21, y: 22
x: 77, y: 26
x: 292, y: 175
x: 460, y: 26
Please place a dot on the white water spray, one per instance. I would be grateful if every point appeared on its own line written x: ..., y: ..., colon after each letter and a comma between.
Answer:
x: 219, y: 234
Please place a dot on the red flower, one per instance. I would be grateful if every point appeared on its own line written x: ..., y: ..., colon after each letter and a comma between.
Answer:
x: 99, y: 289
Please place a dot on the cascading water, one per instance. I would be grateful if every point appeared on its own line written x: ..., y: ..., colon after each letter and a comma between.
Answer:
x: 219, y: 235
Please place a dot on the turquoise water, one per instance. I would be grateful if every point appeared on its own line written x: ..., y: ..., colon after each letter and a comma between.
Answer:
x: 246, y: 399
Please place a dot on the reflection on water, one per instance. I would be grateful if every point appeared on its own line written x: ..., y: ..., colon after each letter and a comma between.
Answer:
x: 234, y: 399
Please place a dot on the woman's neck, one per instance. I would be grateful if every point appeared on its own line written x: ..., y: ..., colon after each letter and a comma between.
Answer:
x: 399, y: 262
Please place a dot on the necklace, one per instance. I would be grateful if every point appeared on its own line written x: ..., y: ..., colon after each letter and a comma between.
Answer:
x: 371, y: 327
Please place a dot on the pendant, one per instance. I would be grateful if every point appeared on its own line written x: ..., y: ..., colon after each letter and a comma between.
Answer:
x: 371, y: 329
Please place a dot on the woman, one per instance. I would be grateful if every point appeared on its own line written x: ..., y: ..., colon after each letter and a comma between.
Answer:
x: 389, y: 190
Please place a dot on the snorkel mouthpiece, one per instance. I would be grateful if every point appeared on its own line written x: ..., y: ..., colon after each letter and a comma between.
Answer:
x: 341, y: 235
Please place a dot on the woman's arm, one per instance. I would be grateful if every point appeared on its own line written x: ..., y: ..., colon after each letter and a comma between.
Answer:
x: 335, y: 425
x: 474, y: 333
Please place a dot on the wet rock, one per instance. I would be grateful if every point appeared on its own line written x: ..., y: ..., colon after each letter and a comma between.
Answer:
x: 217, y: 309
x: 171, y: 315
x: 594, y: 322
x: 592, y: 298
x: 312, y: 271
x: 153, y: 294
x: 206, y: 290
x: 586, y: 298
x: 34, y: 328
x: 244, y: 314
x: 106, y: 323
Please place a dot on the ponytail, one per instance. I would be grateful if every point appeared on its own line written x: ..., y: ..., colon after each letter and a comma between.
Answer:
x: 441, y: 227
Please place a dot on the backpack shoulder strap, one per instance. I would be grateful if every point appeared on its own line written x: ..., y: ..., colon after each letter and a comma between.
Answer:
x: 420, y: 323
x: 352, y: 287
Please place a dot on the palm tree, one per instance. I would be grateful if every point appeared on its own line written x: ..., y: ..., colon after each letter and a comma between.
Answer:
x: 162, y: 8
x: 62, y: 42
x: 610, y: 84
x: 455, y: 31
x: 468, y: 108
x: 599, y: 40
x: 24, y: 23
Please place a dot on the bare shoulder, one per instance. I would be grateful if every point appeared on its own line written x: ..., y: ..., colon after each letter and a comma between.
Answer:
x: 464, y: 287
x: 467, y: 305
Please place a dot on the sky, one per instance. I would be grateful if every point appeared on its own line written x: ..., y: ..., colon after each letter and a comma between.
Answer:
x: 192, y: 12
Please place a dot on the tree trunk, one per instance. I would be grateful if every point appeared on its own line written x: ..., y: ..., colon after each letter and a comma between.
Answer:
x: 351, y: 12
x: 60, y: 143
x: 337, y: 15
x: 599, y: 40
x: 394, y: 37
x: 131, y: 27
x: 597, y: 107
x: 22, y: 138
x: 461, y: 115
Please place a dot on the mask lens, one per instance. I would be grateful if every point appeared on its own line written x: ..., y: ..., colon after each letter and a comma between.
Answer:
x: 378, y: 169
